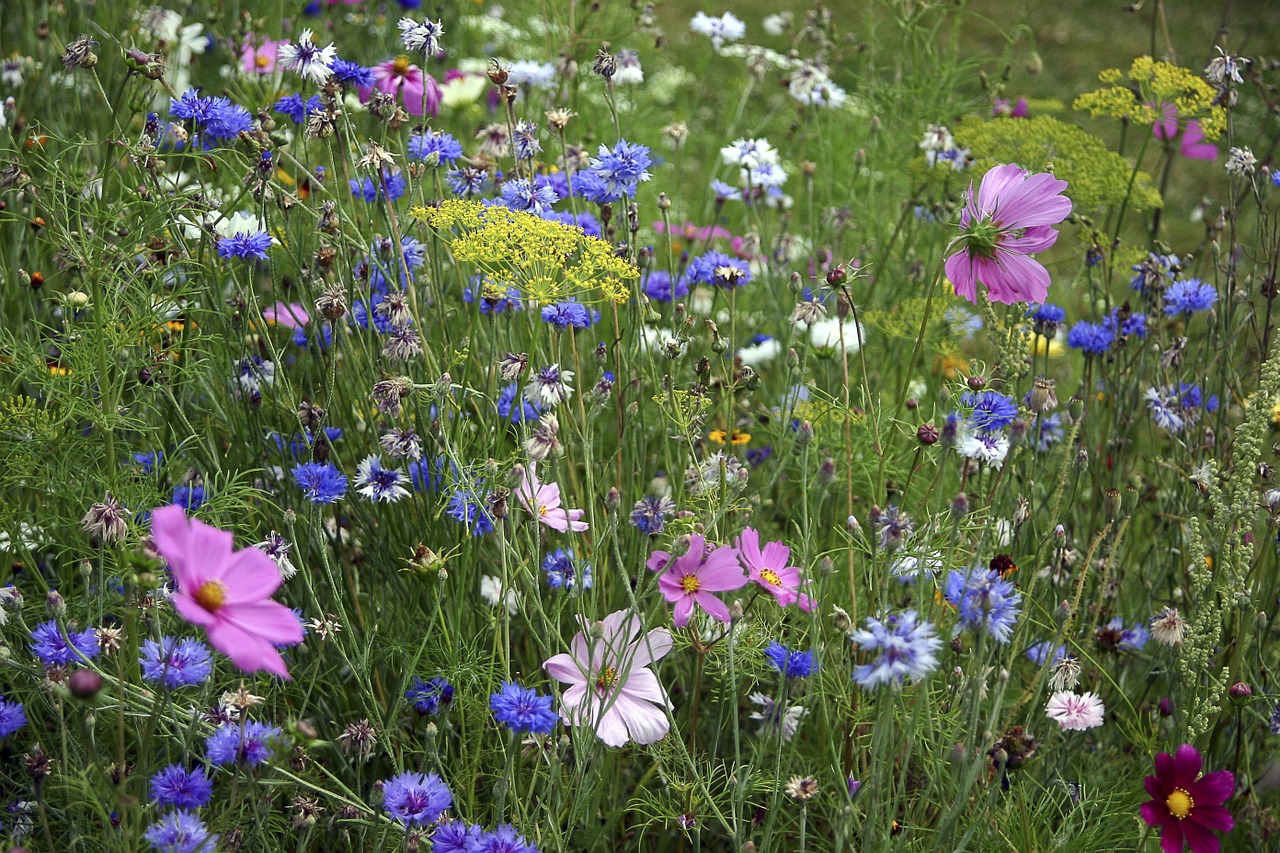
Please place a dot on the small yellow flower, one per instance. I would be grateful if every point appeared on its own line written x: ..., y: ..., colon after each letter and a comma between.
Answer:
x: 719, y: 436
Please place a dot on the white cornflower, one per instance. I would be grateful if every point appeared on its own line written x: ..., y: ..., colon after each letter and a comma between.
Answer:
x: 1075, y: 713
x: 491, y: 591
x: 1241, y: 161
x: 725, y: 28
x: 776, y: 25
x: 937, y: 138
x: 421, y: 37
x: 307, y: 58
x: 629, y: 72
x: 782, y: 720
x: 1223, y: 68
x: 380, y: 484
x: 988, y: 447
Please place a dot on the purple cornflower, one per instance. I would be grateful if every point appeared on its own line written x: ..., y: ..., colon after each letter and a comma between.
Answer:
x: 176, y: 663
x: 984, y: 600
x: 513, y: 407
x: 380, y: 484
x: 247, y: 245
x: 719, y: 269
x: 12, y: 717
x: 455, y: 836
x: 215, y: 117
x: 905, y: 647
x: 658, y: 286
x: 519, y: 194
x: 1042, y: 652
x: 188, y: 497
x: 1114, y: 635
x: 1132, y: 323
x: 441, y: 147
x: 1154, y: 271
x: 177, y: 786
x: 1092, y: 338
x: 250, y: 743
x: 989, y: 410
x: 523, y: 709
x: 525, y: 140
x: 180, y: 832
x: 650, y: 514
x: 504, y: 839
x: 428, y: 696
x: 56, y: 649
x: 1187, y: 296
x: 563, y: 574
x: 893, y: 527
x: 413, y: 798
x: 790, y: 664
x: 320, y: 482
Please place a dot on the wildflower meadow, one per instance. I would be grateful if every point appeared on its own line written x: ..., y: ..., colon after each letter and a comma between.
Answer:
x: 491, y: 427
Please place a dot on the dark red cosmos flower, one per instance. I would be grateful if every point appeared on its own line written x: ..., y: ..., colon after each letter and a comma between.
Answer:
x: 1186, y: 805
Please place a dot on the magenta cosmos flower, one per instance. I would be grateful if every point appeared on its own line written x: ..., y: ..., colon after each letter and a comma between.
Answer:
x: 691, y: 578
x: 542, y: 500
x: 768, y: 568
x: 611, y: 687
x: 1186, y: 805
x: 226, y: 592
x: 1004, y: 224
x: 401, y: 78
x: 1192, y: 144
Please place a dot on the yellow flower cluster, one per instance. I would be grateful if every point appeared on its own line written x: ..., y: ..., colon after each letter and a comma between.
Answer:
x: 545, y: 261
x: 1137, y: 95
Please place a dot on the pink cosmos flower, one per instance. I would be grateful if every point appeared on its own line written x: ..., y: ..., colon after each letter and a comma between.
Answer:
x: 291, y: 315
x: 542, y: 500
x: 1003, y: 107
x: 769, y: 569
x: 226, y: 592
x: 1075, y: 713
x: 259, y: 58
x: 1005, y: 222
x: 1186, y: 805
x: 690, y: 579
x: 1192, y: 145
x: 690, y: 231
x: 398, y: 77
x: 611, y: 687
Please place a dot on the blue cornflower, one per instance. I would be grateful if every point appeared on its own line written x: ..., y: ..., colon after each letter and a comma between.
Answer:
x: 188, y: 497
x: 789, y: 663
x: 1187, y: 296
x: 455, y: 836
x: 989, y: 410
x: 320, y: 482
x: 413, y: 798
x: 12, y: 716
x: 1092, y: 338
x: 148, y: 462
x: 232, y: 743
x: 563, y: 574
x: 563, y: 315
x: 297, y: 108
x: 380, y: 484
x: 523, y: 709
x: 1046, y: 318
x: 984, y: 600
x: 493, y: 299
x: 513, y: 407
x: 180, y: 832
x: 215, y: 117
x: 427, y: 475
x: 525, y: 140
x: 467, y: 182
x: 1041, y: 652
x: 441, y: 146
x: 1153, y: 271
x: 504, y: 839
x: 390, y: 188
x: 467, y: 508
x: 352, y: 75
x: 1133, y: 323
x: 725, y: 192
x: 649, y: 515
x: 657, y: 286
x: 51, y: 646
x: 719, y: 269
x: 1165, y: 409
x: 1116, y: 636
x: 245, y: 245
x: 519, y: 194
x: 585, y: 220
x: 177, y: 786
x: 615, y: 174
x: 1049, y: 431
x: 177, y: 663
x: 905, y: 647
x: 428, y: 696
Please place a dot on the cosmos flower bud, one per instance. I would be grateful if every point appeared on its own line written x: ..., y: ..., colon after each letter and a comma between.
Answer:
x: 84, y: 683
x: 927, y: 434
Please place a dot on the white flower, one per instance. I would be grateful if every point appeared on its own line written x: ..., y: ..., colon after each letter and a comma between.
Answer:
x: 825, y: 334
x: 629, y: 72
x: 1168, y: 627
x: 783, y: 720
x: 776, y: 25
x: 307, y: 58
x: 937, y: 138
x: 720, y: 30
x: 463, y: 91
x: 1075, y: 713
x: 749, y: 153
x: 421, y: 37
x: 539, y: 75
x: 491, y: 592
x: 1241, y: 161
x: 988, y: 447
x: 241, y: 222
x: 761, y: 353
x: 1224, y: 67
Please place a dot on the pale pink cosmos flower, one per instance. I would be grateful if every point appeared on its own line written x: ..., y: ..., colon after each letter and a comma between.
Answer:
x: 291, y: 315
x: 226, y: 592
x: 1192, y: 144
x: 406, y: 81
x: 1075, y: 713
x: 258, y: 56
x: 768, y: 568
x: 1004, y: 223
x: 611, y: 687
x: 691, y: 578
x: 542, y: 500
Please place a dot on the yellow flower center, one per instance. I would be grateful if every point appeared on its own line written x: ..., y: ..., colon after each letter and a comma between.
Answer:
x: 771, y: 577
x: 400, y: 66
x: 262, y: 60
x: 690, y: 583
x: 607, y: 677
x: 1179, y: 803
x: 211, y: 596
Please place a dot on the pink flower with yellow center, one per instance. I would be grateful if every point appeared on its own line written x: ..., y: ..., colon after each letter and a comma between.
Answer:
x: 226, y: 592
x: 768, y: 568
x: 258, y: 56
x: 542, y: 501
x: 692, y: 578
x: 406, y: 81
x: 1185, y: 805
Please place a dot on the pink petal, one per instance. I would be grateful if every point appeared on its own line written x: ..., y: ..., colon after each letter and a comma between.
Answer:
x: 555, y: 518
x: 576, y: 524
x: 248, y: 652
x: 805, y: 603
x: 776, y: 555
x: 611, y: 728
x: 291, y: 315
x: 657, y: 561
x: 1199, y: 839
x: 1154, y: 813
x: 714, y: 606
x: 646, y: 723
x: 1186, y: 766
x: 564, y: 668
x: 1214, y: 787
x: 721, y: 572
x: 1164, y: 768
x: 749, y: 548
x: 1155, y: 789
x: 192, y: 612
x: 643, y: 684
x: 682, y: 611
x: 1033, y: 201
x: 1213, y: 817
x: 270, y: 620
x: 961, y: 269
x: 1166, y: 127
x: 995, y: 183
x: 653, y: 646
x: 1016, y: 278
x: 248, y: 575
x: 1193, y: 146
x: 1171, y: 837
x: 1037, y: 238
